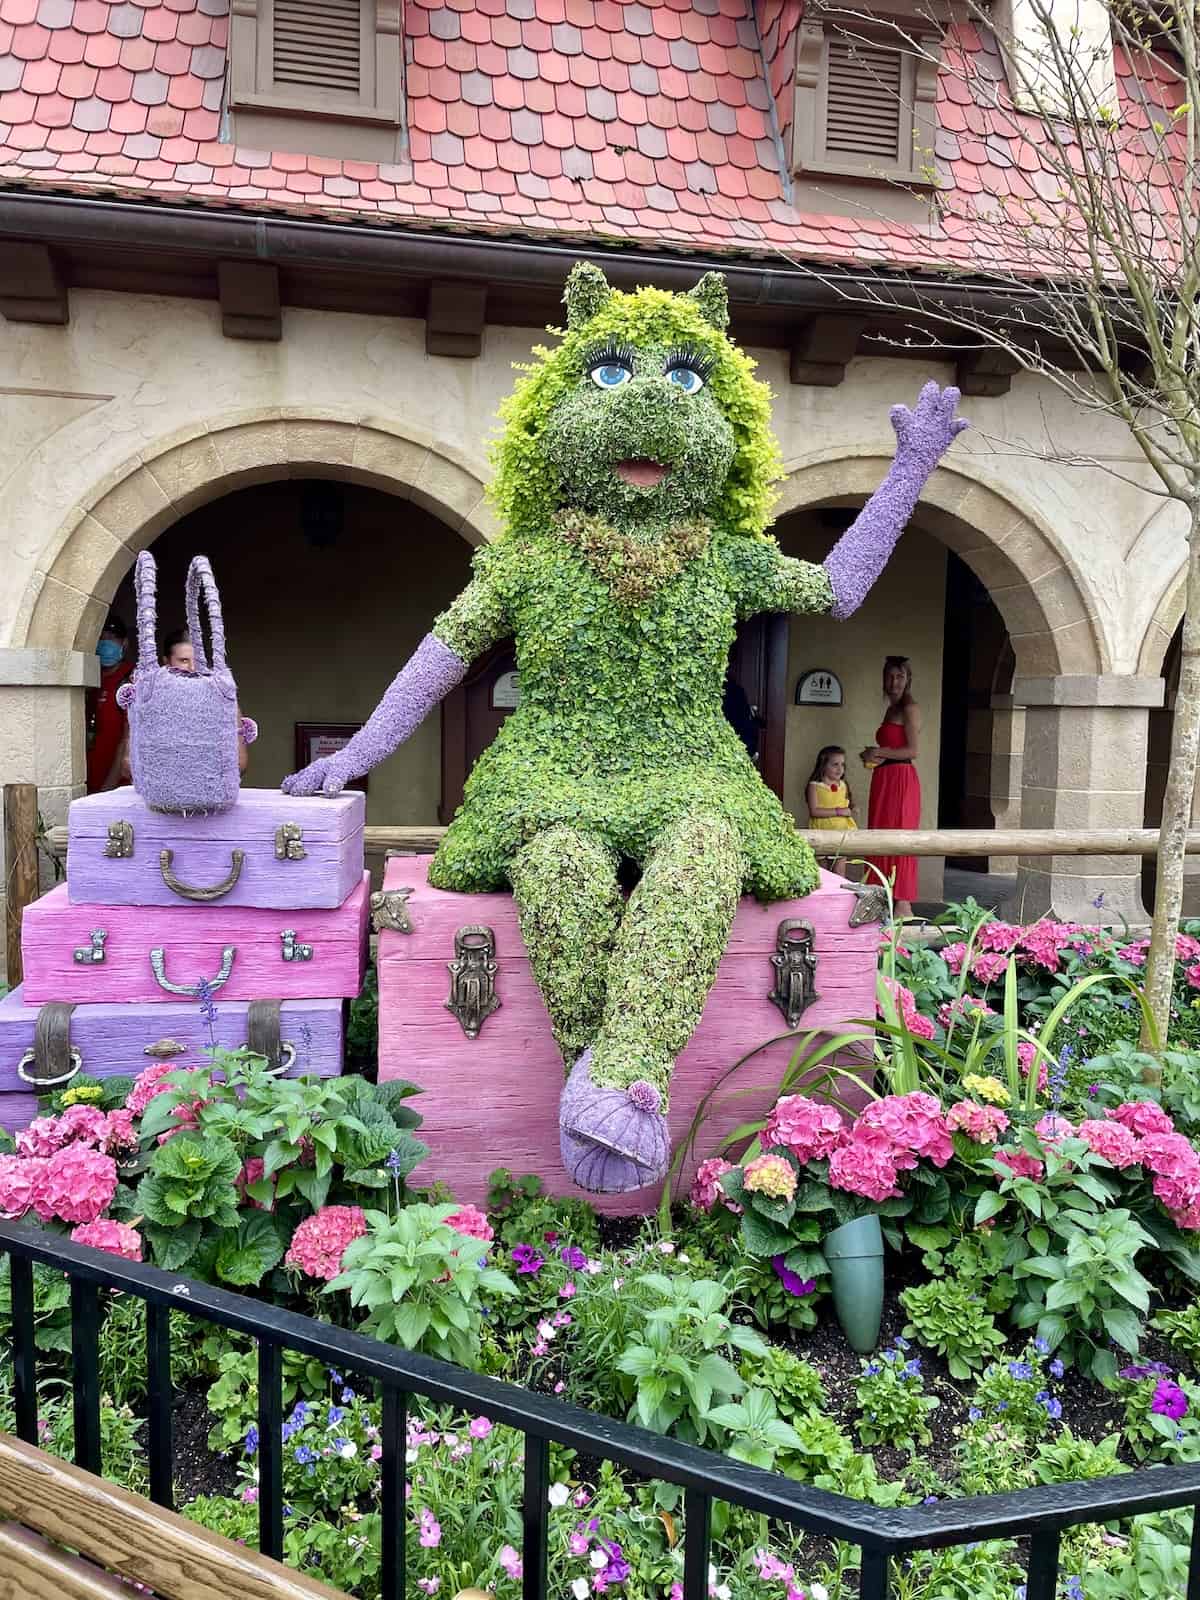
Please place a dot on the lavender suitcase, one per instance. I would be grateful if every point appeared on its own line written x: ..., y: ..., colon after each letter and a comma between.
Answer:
x: 51, y: 1043
x: 460, y: 1015
x: 269, y: 850
x: 91, y: 953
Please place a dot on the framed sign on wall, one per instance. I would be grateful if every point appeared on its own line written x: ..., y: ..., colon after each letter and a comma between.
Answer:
x: 317, y: 739
x: 818, y: 686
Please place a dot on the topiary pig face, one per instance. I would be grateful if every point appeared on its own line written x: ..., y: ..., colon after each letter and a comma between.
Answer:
x: 646, y: 415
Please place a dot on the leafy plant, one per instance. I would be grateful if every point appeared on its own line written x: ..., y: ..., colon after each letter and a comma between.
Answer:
x: 892, y: 1404
x: 1017, y: 1392
x: 952, y: 1319
x: 1182, y: 1330
x: 190, y: 1182
x: 677, y: 1364
x: 523, y: 1214
x: 796, y: 1385
x: 233, y: 1398
x: 754, y: 1431
x: 1162, y: 1418
x: 420, y: 1282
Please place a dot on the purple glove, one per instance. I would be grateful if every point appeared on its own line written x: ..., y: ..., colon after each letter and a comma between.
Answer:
x: 923, y: 436
x: 429, y: 674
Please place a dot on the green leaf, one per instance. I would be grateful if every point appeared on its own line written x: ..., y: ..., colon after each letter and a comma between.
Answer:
x: 410, y: 1324
x: 172, y: 1248
x: 248, y: 1253
x: 1122, y: 1326
x: 990, y: 1204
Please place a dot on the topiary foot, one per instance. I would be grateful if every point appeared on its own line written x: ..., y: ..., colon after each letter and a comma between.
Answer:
x: 612, y: 1140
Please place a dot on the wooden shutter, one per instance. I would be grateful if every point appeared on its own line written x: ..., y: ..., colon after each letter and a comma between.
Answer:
x: 864, y: 109
x: 317, y: 44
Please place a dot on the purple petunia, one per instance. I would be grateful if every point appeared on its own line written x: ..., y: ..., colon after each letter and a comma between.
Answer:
x: 573, y: 1257
x: 527, y: 1259
x: 1169, y: 1400
x: 792, y: 1281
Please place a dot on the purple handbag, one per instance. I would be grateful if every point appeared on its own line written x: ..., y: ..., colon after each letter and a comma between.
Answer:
x: 183, y: 726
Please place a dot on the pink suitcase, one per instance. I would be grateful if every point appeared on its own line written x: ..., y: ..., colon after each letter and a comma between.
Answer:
x: 492, y: 1100
x: 159, y: 953
x: 270, y: 850
x: 53, y: 1042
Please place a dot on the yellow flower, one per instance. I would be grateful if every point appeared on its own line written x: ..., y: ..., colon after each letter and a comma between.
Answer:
x: 85, y: 1094
x: 989, y: 1089
x: 772, y: 1176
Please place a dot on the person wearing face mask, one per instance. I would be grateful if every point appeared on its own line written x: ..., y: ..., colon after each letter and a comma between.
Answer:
x: 107, y: 725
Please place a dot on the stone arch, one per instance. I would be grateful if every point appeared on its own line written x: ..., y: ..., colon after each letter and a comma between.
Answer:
x: 1164, y: 625
x: 1044, y: 600
x: 67, y: 598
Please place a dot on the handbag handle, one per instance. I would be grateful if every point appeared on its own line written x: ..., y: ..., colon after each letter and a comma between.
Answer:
x: 145, y: 589
x: 200, y: 580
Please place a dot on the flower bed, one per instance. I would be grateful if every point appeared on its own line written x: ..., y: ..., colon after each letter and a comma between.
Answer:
x: 1041, y: 1210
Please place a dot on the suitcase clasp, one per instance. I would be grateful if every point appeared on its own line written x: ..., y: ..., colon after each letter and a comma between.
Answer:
x: 795, y: 963
x: 289, y: 845
x: 292, y: 950
x: 94, y: 949
x: 120, y: 839
x: 473, y: 995
x: 158, y: 961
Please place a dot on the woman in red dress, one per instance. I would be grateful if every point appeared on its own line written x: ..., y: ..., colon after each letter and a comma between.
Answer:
x: 895, y: 799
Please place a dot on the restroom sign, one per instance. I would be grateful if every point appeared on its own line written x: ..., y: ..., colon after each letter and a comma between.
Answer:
x: 819, y: 687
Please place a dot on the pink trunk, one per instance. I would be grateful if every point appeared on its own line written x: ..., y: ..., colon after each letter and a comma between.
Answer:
x: 493, y: 1101
x: 244, y: 953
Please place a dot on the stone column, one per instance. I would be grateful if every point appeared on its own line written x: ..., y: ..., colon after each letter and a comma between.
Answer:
x: 1008, y: 759
x: 1084, y: 767
x: 41, y: 730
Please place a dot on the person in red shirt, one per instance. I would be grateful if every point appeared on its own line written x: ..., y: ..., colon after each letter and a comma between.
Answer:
x: 107, y: 724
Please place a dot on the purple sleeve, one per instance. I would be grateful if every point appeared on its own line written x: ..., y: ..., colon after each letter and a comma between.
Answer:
x: 426, y: 678
x: 923, y: 435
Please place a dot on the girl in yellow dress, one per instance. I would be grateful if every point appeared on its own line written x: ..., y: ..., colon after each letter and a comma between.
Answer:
x: 830, y: 803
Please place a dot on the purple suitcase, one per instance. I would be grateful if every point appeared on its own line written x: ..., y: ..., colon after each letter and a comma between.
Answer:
x: 85, y: 954
x: 53, y: 1042
x: 269, y: 850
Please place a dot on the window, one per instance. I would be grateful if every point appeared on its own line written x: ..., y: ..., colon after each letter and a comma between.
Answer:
x: 864, y: 97
x: 318, y: 77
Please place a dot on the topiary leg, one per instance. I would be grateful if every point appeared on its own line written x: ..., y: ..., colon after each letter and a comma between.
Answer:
x: 611, y: 1118
x: 569, y: 906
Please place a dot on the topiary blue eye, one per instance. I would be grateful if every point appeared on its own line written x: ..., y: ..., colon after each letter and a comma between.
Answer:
x: 686, y: 378
x: 609, y: 374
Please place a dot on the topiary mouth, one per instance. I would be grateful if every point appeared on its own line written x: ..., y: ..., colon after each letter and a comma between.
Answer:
x: 640, y: 473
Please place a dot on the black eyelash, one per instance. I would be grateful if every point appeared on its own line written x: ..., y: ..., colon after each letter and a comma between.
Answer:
x: 701, y: 365
x: 611, y: 356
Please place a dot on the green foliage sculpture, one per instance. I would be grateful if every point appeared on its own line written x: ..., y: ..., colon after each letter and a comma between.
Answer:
x: 635, y: 478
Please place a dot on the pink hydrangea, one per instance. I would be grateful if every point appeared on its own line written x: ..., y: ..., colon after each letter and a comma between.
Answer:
x: 320, y: 1241
x: 120, y: 1133
x: 920, y: 1027
x: 1026, y: 1051
x: 471, y: 1221
x: 42, y: 1137
x: 1053, y: 1129
x: 252, y: 1172
x: 967, y: 1008
x: 988, y: 966
x: 954, y: 955
x: 1135, y: 953
x: 999, y: 937
x: 1176, y: 1168
x: 911, y: 1126
x: 83, y: 1124
x: 1187, y: 949
x: 864, y: 1168
x: 1142, y: 1117
x: 1193, y: 976
x: 118, y: 1238
x: 770, y: 1175
x: 982, y: 1124
x: 1042, y: 942
x: 1112, y: 1142
x: 147, y: 1085
x: 706, y: 1185
x: 18, y: 1184
x: 1023, y: 1165
x: 811, y: 1131
x: 75, y: 1184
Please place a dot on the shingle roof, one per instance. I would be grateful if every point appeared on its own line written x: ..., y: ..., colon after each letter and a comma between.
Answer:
x: 655, y: 121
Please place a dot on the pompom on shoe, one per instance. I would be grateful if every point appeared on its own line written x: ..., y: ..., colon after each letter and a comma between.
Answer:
x: 612, y: 1140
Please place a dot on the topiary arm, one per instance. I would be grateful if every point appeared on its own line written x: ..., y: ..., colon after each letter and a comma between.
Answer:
x: 764, y: 579
x: 923, y: 436
x: 477, y: 619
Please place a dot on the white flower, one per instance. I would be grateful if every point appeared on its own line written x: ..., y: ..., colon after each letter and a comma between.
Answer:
x: 684, y: 1257
x: 559, y: 1494
x: 580, y: 1589
x: 593, y: 1267
x: 667, y: 1247
x: 599, y: 1558
x: 410, y: 1456
x: 818, y: 1591
x: 348, y: 1449
x: 722, y: 1591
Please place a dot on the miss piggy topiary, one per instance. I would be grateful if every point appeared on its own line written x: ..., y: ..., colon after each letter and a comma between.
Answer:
x: 634, y: 476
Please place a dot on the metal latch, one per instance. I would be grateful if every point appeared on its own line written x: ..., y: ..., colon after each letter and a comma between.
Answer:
x: 795, y: 963
x: 292, y: 950
x: 120, y: 839
x: 473, y: 995
x: 289, y: 845
x: 94, y: 949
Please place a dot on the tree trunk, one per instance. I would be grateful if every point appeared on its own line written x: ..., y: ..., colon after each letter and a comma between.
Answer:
x: 1177, y: 804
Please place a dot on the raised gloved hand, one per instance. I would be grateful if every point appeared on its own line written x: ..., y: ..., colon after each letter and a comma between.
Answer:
x: 429, y: 674
x: 923, y: 435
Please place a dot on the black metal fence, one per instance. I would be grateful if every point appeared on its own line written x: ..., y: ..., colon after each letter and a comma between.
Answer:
x: 1038, y: 1515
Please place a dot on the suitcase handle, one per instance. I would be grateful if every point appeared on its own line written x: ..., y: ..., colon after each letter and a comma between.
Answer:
x: 262, y: 1038
x: 158, y: 963
x: 187, y: 891
x: 52, y: 1048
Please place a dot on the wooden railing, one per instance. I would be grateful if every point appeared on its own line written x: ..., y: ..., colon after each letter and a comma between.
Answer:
x: 50, y: 1508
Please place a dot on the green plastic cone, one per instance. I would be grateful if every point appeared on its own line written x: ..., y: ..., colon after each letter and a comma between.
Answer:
x: 855, y: 1256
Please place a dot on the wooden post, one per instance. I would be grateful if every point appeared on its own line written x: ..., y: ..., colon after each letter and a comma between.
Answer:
x: 21, y: 868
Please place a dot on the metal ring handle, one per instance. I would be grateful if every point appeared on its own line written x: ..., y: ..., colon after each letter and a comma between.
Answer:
x: 158, y: 961
x: 187, y: 891
x: 48, y: 1083
x: 287, y: 1060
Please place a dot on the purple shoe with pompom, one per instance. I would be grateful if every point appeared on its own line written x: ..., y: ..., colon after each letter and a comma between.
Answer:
x: 612, y: 1140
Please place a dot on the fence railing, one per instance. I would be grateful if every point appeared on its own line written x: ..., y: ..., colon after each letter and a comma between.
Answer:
x: 882, y: 1535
